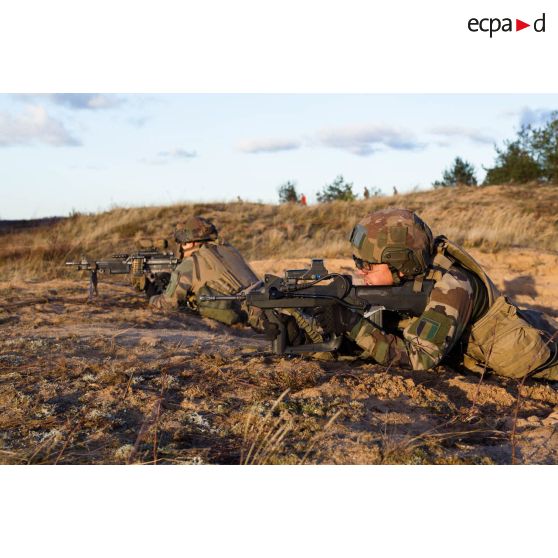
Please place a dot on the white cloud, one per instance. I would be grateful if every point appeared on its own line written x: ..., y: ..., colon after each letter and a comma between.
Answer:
x: 368, y: 139
x: 534, y: 117
x: 33, y: 125
x: 472, y: 134
x: 178, y: 153
x: 78, y: 101
x: 164, y: 157
x: 87, y: 101
x: 268, y: 145
x: 138, y: 121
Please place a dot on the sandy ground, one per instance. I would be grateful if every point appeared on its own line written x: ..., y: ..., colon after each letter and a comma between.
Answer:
x: 114, y: 382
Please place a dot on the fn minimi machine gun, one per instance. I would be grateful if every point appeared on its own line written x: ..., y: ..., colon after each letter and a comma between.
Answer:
x: 149, y: 270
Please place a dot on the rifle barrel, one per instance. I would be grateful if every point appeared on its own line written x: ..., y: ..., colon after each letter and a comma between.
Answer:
x: 211, y: 298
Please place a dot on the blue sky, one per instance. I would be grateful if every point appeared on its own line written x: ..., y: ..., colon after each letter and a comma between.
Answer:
x: 90, y: 152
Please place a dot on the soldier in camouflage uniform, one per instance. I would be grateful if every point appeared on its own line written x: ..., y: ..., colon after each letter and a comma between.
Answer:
x: 466, y: 321
x: 212, y: 267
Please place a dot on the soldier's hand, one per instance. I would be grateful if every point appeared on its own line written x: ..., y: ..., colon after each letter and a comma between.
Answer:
x: 348, y: 319
x: 335, y: 319
x: 295, y: 336
x: 270, y: 330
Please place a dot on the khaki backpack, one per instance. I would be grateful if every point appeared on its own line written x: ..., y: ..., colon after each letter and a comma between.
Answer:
x: 220, y: 269
x: 502, y: 339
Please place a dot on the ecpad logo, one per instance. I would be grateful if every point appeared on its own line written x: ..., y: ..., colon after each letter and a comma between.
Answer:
x: 494, y: 24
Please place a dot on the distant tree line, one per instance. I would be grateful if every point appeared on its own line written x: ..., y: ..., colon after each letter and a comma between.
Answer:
x: 338, y: 190
x: 531, y: 156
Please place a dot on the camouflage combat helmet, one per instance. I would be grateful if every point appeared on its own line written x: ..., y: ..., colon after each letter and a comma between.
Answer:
x: 195, y: 229
x: 397, y: 237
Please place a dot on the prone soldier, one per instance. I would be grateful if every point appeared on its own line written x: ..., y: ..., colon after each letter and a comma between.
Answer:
x: 466, y: 321
x: 209, y: 266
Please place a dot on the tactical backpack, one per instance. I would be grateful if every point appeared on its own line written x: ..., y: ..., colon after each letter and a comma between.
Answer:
x: 502, y: 339
x: 220, y: 269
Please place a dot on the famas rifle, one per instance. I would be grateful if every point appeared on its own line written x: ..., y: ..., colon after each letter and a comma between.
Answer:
x: 149, y: 270
x: 307, y: 290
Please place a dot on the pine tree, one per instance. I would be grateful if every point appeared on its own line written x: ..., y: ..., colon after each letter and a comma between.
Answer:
x: 337, y: 190
x: 460, y: 173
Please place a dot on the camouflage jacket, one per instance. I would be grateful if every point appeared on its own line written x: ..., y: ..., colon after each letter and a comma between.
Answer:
x: 444, y: 333
x: 179, y: 288
x: 422, y: 342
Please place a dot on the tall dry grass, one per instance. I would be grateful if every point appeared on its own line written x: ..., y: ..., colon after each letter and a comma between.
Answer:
x: 492, y: 218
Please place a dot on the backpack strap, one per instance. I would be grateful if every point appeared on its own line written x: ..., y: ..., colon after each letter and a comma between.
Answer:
x: 440, y: 263
x: 196, y: 267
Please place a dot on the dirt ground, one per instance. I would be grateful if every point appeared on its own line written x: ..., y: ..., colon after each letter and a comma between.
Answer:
x: 114, y: 382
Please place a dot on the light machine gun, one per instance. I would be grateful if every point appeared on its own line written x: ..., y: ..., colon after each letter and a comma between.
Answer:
x: 306, y: 290
x: 149, y: 270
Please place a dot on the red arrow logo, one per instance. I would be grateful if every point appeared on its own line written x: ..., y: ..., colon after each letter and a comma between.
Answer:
x: 519, y: 25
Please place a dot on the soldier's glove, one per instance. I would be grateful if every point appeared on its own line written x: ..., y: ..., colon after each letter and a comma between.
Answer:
x: 336, y: 319
x: 256, y: 318
x: 295, y: 336
x: 271, y: 330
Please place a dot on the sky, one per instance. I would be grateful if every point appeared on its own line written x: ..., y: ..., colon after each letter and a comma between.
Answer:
x: 90, y: 152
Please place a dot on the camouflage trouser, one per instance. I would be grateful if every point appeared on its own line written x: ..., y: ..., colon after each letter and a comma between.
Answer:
x: 227, y: 312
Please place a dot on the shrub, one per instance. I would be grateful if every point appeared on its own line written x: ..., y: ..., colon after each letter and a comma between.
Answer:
x: 337, y: 190
x: 287, y: 192
x: 532, y: 156
x: 544, y: 147
x: 514, y: 163
x: 461, y: 173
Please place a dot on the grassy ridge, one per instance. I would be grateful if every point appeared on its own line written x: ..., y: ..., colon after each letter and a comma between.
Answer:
x: 491, y: 218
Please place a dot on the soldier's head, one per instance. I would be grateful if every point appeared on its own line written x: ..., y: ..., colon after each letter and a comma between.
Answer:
x: 193, y: 232
x: 391, y: 245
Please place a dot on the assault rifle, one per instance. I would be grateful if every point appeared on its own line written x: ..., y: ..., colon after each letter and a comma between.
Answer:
x: 149, y: 270
x: 309, y: 289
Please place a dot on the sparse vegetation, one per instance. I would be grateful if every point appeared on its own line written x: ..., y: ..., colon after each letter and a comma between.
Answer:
x: 338, y: 190
x: 544, y: 147
x: 514, y: 165
x: 471, y: 216
x: 287, y: 192
x: 532, y: 156
x: 460, y: 173
x: 114, y: 382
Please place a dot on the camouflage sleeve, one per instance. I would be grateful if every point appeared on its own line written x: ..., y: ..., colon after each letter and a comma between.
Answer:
x: 180, y: 283
x: 430, y: 336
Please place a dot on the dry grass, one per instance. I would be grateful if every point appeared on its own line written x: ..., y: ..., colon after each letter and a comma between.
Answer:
x: 491, y: 218
x: 112, y: 382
